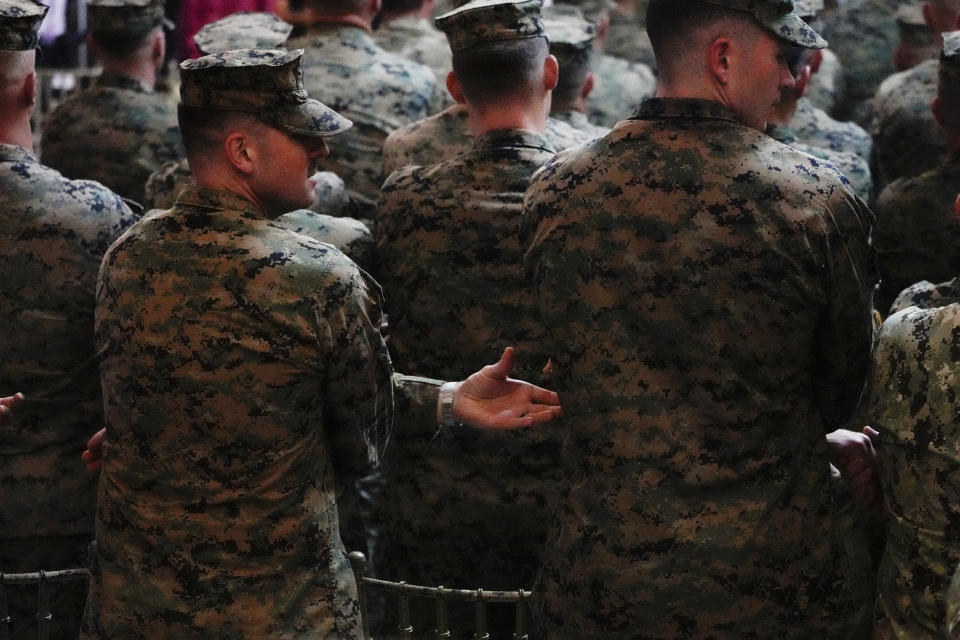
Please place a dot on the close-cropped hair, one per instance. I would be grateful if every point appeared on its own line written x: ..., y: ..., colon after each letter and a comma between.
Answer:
x: 121, y: 44
x: 502, y: 70
x: 206, y: 129
x: 671, y: 24
x: 574, y: 67
x: 15, y: 66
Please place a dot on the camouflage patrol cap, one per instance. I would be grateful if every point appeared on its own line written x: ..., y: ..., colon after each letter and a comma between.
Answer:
x: 483, y: 21
x: 590, y: 9
x: 267, y: 83
x: 780, y: 18
x: 950, y: 53
x: 125, y: 16
x: 245, y: 30
x: 20, y: 24
x: 568, y: 30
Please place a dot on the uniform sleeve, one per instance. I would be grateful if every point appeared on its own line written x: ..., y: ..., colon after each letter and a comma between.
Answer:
x: 845, y: 334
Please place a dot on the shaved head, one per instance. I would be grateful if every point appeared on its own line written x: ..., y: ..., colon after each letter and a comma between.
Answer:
x: 15, y: 66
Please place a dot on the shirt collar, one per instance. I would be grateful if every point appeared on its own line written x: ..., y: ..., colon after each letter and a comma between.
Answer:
x: 13, y: 153
x: 684, y: 108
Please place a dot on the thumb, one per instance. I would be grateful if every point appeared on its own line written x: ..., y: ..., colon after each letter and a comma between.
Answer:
x: 501, y: 370
x: 871, y: 433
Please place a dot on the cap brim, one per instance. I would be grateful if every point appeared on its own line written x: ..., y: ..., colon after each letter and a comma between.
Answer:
x: 794, y: 30
x: 309, y: 118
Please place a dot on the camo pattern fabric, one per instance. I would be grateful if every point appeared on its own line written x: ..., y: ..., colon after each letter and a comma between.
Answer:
x: 55, y: 232
x: 470, y: 509
x: 906, y: 137
x: 416, y: 39
x: 243, y: 373
x: 854, y: 168
x: 578, y: 120
x: 706, y: 299
x: 827, y: 83
x: 917, y: 235
x: 618, y: 89
x: 913, y: 404
x: 815, y: 127
x: 117, y: 132
x: 446, y: 135
x: 379, y: 91
x: 927, y: 295
x: 863, y: 34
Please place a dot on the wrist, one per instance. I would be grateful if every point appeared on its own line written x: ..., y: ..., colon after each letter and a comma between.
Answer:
x: 445, y: 405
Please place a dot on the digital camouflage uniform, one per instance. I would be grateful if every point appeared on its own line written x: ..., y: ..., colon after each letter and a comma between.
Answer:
x: 907, y: 140
x: 446, y: 135
x: 244, y: 377
x: 853, y: 167
x: 53, y: 236
x: 120, y: 130
x: 468, y: 509
x: 618, y: 89
x: 55, y: 232
x: 578, y: 120
x: 917, y: 235
x: 815, y: 127
x: 863, y: 35
x: 627, y: 37
x: 705, y: 293
x: 117, y: 132
x: 913, y: 404
x: 378, y: 90
x: 416, y: 39
x: 826, y: 83
x: 927, y: 295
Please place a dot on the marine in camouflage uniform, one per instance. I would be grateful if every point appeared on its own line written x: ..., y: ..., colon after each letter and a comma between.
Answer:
x: 855, y: 169
x: 827, y: 82
x: 328, y: 218
x: 120, y: 130
x: 446, y: 135
x: 470, y: 509
x: 917, y: 235
x: 54, y: 234
x: 711, y: 288
x: 626, y: 36
x: 407, y: 31
x: 907, y: 140
x: 572, y: 44
x: 244, y: 379
x: 863, y: 34
x: 378, y: 90
x: 913, y: 404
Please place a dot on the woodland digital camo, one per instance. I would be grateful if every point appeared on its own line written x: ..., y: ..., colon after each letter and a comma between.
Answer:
x: 913, y: 404
x: 483, y: 21
x: 253, y: 30
x: 467, y: 509
x: 245, y: 380
x: 117, y: 132
x: 416, y: 39
x: 917, y: 235
x: 378, y: 90
x: 815, y: 127
x: 128, y: 17
x: 906, y: 137
x: 855, y: 169
x: 20, y: 24
x: 720, y: 292
x: 446, y: 135
x: 53, y: 235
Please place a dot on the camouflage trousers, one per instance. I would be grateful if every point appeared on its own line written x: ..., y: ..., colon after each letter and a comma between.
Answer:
x: 50, y: 553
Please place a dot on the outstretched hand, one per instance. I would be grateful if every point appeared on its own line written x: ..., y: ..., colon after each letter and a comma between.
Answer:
x: 93, y: 456
x: 853, y: 454
x: 8, y: 404
x: 490, y: 399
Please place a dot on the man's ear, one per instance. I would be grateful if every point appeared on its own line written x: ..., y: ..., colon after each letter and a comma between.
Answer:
x: 587, y: 86
x: 159, y: 51
x: 938, y: 114
x: 29, y: 91
x: 453, y: 86
x: 802, y: 80
x: 815, y: 60
x: 240, y: 152
x: 718, y: 59
x: 551, y: 72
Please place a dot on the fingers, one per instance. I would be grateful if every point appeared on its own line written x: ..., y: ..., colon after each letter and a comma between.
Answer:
x: 95, y: 443
x: 501, y: 370
x: 539, y: 395
x: 871, y: 433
